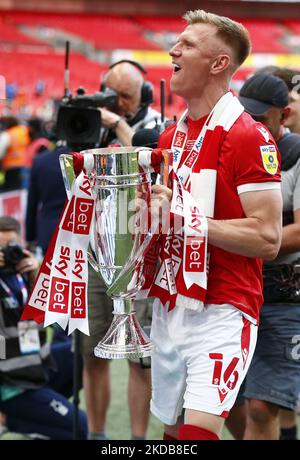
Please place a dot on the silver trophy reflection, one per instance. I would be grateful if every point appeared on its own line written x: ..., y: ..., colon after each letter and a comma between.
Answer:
x: 121, y: 234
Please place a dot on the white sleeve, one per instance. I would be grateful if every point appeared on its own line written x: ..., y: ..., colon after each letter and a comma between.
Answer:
x: 4, y: 143
x: 258, y: 186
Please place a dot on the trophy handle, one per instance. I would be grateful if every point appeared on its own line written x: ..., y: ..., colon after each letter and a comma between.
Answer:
x: 67, y: 168
x: 164, y: 168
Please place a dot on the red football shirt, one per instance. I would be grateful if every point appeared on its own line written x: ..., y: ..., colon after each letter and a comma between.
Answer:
x: 247, y: 162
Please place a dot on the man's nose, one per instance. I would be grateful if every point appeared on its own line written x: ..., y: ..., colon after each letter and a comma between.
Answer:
x: 175, y: 50
x: 121, y: 105
x: 121, y: 102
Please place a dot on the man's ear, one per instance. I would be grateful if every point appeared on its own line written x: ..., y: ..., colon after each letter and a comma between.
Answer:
x: 221, y: 63
x: 285, y: 113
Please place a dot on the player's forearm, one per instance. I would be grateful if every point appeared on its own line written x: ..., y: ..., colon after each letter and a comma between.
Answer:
x: 248, y: 237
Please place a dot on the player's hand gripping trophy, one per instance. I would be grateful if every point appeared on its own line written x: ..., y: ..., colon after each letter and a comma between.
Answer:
x: 120, y: 239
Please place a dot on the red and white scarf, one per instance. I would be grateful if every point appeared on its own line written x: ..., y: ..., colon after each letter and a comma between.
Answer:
x: 60, y: 291
x: 182, y: 275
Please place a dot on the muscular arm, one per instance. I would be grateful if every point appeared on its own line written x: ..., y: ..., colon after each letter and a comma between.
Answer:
x: 291, y: 236
x: 256, y: 235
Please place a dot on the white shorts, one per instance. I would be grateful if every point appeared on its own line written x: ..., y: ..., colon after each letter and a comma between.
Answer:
x: 200, y: 359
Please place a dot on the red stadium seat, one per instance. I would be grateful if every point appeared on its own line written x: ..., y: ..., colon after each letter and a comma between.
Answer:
x: 102, y: 31
x: 26, y: 59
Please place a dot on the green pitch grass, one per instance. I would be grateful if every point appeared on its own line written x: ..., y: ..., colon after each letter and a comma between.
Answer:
x: 118, y: 426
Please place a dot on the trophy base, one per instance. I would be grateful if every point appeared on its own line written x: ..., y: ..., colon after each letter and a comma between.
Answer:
x: 124, y: 339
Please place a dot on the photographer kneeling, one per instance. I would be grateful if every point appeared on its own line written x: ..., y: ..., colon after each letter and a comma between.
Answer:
x: 27, y: 398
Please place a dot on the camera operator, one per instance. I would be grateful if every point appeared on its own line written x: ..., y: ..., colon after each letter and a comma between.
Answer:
x: 132, y: 114
x: 14, y: 259
x: 30, y: 377
x: 133, y: 111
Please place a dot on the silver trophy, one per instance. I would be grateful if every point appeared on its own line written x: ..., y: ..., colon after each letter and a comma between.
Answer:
x: 121, y: 235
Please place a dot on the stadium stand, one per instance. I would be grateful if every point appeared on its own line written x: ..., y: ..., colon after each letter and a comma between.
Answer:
x: 266, y: 36
x: 10, y: 34
x: 103, y: 32
x: 25, y: 69
x: 293, y: 26
x: 30, y: 52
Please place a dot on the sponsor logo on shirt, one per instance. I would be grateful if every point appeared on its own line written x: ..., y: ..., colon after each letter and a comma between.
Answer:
x: 269, y: 158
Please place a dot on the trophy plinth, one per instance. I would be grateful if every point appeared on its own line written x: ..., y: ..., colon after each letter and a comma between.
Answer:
x: 124, y: 339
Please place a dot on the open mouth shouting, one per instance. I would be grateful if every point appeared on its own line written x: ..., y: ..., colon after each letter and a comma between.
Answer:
x: 176, y: 67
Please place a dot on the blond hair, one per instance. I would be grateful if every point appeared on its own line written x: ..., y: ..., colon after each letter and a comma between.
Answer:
x: 234, y: 34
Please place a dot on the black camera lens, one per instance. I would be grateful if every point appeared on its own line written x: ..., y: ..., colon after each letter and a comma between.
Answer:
x: 78, y: 125
x: 79, y: 120
x: 13, y: 254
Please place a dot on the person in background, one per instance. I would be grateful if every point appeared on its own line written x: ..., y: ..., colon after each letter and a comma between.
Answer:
x: 38, y: 139
x: 14, y: 141
x: 133, y: 111
x: 46, y: 198
x: 291, y: 78
x: 33, y: 390
x: 272, y: 382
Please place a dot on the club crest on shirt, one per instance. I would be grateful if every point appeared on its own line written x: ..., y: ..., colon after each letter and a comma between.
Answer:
x: 269, y: 158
